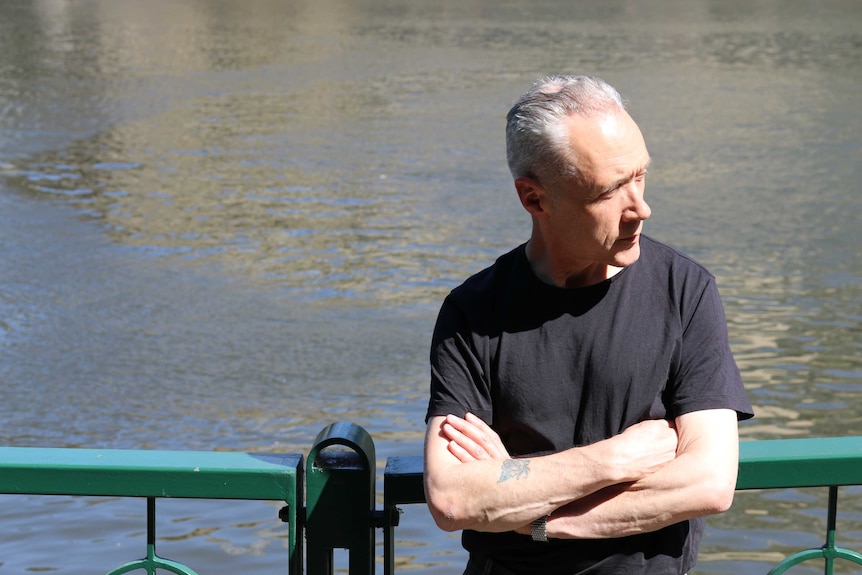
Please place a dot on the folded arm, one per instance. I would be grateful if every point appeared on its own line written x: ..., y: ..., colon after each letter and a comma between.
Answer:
x: 472, y: 483
x: 701, y: 480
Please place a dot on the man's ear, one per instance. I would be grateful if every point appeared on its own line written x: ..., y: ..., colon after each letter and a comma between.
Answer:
x: 533, y: 196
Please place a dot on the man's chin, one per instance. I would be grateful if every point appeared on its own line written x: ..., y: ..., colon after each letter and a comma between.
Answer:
x: 628, y: 256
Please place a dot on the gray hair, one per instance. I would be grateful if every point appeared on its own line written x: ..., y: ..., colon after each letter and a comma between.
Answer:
x: 536, y: 138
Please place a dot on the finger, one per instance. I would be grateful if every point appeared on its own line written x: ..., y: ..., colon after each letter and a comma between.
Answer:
x: 454, y: 431
x: 465, y: 442
x: 460, y: 453
x: 459, y: 422
x: 482, y: 435
x: 472, y: 424
x: 489, y: 438
x: 485, y: 435
x: 476, y: 420
x: 480, y: 424
x: 467, y: 428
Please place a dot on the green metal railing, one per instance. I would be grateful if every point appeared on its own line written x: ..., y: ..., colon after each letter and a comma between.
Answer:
x: 159, y: 474
x: 767, y: 464
x: 338, y: 481
x: 827, y: 462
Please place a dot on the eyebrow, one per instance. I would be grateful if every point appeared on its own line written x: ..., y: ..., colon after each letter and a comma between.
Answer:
x: 642, y: 170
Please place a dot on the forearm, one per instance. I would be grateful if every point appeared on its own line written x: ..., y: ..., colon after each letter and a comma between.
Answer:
x: 472, y: 483
x: 700, y: 481
x: 667, y: 497
x: 503, y: 495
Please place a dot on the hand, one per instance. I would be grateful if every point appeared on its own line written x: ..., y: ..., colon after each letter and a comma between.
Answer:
x: 471, y: 439
x: 644, y: 447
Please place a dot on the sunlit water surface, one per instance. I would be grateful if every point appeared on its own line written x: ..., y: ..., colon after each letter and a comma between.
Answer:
x: 226, y: 224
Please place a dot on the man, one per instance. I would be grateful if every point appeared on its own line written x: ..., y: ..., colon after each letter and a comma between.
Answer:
x: 584, y: 400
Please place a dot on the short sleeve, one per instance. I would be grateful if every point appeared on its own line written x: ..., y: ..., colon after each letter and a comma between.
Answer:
x: 458, y: 378
x: 707, y: 376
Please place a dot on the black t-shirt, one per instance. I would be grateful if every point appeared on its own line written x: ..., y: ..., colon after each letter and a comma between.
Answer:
x: 552, y: 368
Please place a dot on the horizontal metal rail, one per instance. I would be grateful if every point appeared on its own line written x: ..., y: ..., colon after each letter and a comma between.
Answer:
x: 766, y: 464
x: 159, y: 474
x: 345, y: 478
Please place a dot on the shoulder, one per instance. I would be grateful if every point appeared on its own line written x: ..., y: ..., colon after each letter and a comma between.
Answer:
x: 669, y: 264
x: 675, y: 277
x: 656, y: 252
x: 475, y: 305
x: 485, y: 284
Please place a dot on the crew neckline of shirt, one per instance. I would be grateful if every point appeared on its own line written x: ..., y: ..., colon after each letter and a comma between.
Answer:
x: 523, y: 261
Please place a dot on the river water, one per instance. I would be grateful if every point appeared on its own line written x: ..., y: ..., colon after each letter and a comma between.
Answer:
x: 227, y: 223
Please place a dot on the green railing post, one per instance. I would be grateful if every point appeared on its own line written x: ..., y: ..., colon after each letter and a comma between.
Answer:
x: 339, y: 487
x: 402, y: 483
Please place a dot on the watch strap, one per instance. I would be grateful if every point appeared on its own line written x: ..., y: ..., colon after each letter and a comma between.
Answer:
x: 538, y: 529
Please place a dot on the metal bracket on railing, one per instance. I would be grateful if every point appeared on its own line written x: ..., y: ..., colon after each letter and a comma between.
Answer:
x: 829, y: 552
x: 152, y: 562
x: 339, y: 513
x: 284, y: 514
x: 386, y: 518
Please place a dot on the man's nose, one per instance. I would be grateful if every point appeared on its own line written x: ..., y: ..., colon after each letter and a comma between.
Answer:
x: 638, y: 209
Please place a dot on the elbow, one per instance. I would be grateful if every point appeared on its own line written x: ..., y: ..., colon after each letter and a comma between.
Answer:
x: 445, y: 512
x: 444, y: 520
x: 718, y: 503
x: 718, y: 496
x: 448, y: 508
x: 724, y: 501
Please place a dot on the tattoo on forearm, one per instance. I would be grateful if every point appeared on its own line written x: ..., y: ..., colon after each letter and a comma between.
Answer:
x: 514, y: 469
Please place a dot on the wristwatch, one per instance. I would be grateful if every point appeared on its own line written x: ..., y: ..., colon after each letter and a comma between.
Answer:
x: 538, y: 529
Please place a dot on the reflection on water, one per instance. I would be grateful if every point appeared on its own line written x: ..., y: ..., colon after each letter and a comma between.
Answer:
x: 225, y: 224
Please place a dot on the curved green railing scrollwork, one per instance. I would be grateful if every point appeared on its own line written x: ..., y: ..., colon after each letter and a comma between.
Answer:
x: 829, y: 552
x: 152, y: 561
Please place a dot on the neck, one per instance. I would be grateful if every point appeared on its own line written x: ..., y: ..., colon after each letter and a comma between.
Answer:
x: 563, y: 272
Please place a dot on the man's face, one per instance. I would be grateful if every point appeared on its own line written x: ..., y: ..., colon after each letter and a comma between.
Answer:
x: 597, y: 217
